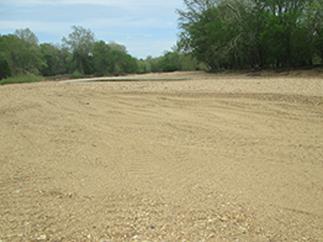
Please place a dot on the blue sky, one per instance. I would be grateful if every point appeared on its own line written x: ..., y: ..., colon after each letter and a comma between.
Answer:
x: 145, y: 27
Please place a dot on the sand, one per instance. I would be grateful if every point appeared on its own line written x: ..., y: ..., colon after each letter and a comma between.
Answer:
x: 167, y: 157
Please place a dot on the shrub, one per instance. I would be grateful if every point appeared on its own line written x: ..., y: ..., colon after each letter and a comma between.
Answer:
x: 4, y: 68
x: 27, y: 78
x: 76, y: 75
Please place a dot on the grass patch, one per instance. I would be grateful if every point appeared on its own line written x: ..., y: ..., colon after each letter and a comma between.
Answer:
x: 77, y: 75
x: 28, y: 78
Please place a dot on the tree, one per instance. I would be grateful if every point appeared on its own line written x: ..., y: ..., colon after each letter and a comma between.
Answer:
x: 102, y: 58
x: 27, y: 35
x: 170, y: 62
x: 315, y: 24
x: 121, y: 61
x: 4, y: 68
x: 20, y: 55
x: 113, y: 59
x: 117, y: 47
x: 80, y: 43
x: 234, y: 34
x: 55, y: 60
x: 173, y: 60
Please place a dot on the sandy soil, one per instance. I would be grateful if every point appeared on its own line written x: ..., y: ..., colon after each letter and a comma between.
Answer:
x: 174, y: 157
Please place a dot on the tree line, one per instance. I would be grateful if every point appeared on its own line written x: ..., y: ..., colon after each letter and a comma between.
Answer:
x: 78, y: 55
x: 253, y: 34
x: 215, y: 35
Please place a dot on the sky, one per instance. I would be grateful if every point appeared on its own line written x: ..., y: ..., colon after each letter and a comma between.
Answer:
x: 145, y: 27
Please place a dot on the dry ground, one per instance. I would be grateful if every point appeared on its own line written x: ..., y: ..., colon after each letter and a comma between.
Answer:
x: 174, y: 157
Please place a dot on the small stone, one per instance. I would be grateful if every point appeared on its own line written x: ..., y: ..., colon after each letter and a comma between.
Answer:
x: 42, y: 237
x: 135, y: 237
x: 243, y: 229
x: 223, y: 219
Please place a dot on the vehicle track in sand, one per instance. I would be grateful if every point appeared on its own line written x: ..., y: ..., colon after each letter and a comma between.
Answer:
x: 211, y: 157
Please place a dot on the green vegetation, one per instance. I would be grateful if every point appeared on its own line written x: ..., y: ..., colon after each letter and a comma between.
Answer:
x: 171, y: 61
x: 245, y: 34
x: 28, y: 78
x: 79, y: 55
x: 20, y: 55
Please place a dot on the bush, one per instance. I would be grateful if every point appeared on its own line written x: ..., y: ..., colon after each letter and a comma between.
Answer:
x: 27, y: 78
x: 76, y: 75
x: 4, y: 68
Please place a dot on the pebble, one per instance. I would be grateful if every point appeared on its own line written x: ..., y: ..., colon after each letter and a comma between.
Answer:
x: 224, y: 219
x: 104, y: 240
x: 42, y: 237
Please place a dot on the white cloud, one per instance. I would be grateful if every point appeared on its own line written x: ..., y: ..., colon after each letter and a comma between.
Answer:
x: 38, y: 26
x: 106, y: 23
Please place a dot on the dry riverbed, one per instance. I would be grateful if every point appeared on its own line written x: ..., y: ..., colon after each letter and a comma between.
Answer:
x: 166, y: 157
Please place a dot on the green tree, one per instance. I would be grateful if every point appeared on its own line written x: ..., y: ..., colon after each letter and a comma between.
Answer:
x: 315, y: 24
x: 55, y: 60
x: 27, y: 35
x: 80, y: 43
x: 113, y: 59
x: 4, y: 68
x: 233, y: 34
x: 102, y: 58
x: 170, y: 62
x: 20, y: 55
x: 121, y: 61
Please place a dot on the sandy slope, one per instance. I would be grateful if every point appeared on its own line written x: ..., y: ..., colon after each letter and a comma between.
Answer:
x: 199, y: 157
